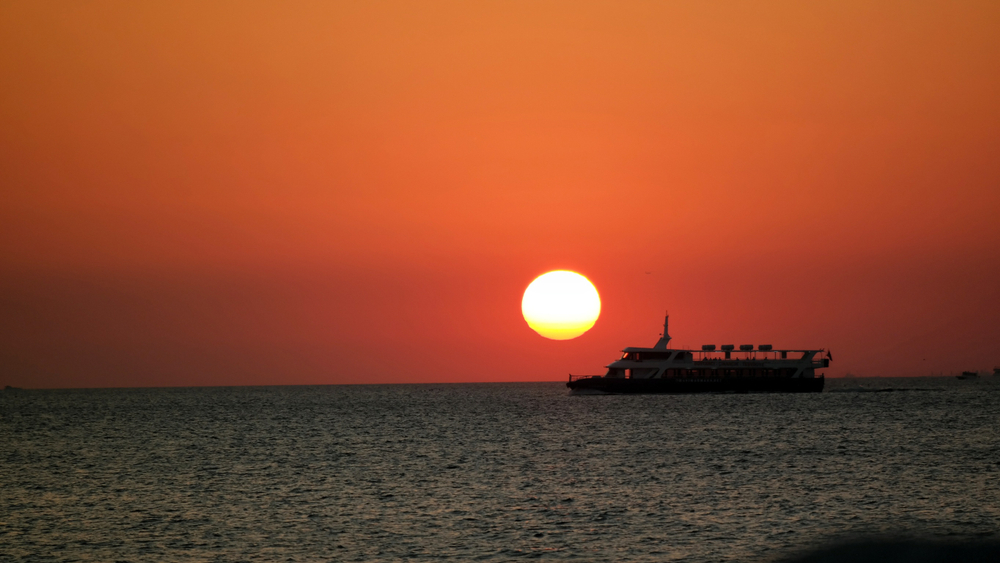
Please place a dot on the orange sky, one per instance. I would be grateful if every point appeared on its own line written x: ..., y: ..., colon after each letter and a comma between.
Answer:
x: 282, y: 193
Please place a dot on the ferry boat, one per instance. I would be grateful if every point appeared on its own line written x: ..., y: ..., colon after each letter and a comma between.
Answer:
x: 746, y: 369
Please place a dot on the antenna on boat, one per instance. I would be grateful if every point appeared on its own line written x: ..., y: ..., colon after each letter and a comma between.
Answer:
x: 661, y: 344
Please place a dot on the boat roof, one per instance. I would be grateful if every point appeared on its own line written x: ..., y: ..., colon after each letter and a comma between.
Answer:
x: 638, y: 349
x: 663, y: 345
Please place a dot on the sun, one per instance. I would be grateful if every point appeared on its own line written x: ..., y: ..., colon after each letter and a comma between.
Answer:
x: 561, y: 305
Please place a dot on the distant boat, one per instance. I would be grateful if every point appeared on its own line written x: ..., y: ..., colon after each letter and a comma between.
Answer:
x: 996, y: 372
x: 970, y: 375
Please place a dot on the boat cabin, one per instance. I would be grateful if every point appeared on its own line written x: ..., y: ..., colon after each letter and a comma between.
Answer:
x: 727, y: 361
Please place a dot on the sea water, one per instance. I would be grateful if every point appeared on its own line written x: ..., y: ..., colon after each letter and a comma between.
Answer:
x: 470, y: 472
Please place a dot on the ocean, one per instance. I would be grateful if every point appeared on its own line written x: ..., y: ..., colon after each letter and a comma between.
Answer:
x: 496, y: 472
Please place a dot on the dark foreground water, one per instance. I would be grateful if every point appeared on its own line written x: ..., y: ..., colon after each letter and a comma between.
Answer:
x: 491, y: 472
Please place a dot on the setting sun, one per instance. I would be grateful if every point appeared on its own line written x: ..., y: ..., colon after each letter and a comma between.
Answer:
x: 561, y: 305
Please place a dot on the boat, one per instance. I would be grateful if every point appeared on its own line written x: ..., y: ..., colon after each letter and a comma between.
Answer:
x: 748, y: 369
x: 968, y: 375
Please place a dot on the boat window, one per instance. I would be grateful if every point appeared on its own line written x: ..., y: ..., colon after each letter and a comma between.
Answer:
x: 627, y: 356
x: 652, y: 355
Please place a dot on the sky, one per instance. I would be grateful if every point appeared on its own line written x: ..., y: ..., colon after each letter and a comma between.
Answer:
x: 277, y: 193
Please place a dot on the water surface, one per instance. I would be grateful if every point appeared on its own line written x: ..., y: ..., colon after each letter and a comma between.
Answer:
x: 490, y: 471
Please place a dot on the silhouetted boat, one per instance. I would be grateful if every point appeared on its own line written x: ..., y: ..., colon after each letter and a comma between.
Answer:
x: 968, y: 375
x: 662, y: 369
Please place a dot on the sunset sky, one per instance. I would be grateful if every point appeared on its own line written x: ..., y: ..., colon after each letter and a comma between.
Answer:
x: 249, y: 193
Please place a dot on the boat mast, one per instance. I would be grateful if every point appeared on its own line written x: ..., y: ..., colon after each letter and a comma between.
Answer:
x: 661, y: 344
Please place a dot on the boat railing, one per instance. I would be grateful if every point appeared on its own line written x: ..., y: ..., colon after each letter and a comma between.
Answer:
x: 573, y: 378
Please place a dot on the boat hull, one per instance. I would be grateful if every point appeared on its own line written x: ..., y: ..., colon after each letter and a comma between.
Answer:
x: 592, y: 385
